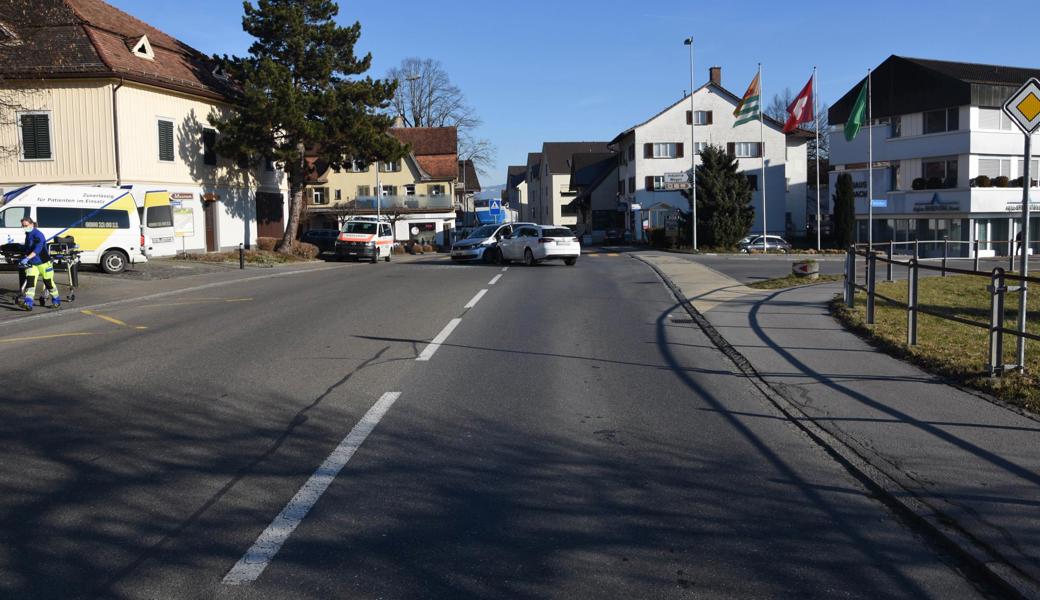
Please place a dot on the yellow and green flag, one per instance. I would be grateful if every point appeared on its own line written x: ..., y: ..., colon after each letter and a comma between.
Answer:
x: 750, y: 107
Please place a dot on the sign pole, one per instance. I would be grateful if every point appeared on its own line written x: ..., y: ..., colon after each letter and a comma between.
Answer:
x: 816, y: 117
x: 693, y: 155
x: 870, y: 165
x: 1024, y: 264
x: 762, y: 151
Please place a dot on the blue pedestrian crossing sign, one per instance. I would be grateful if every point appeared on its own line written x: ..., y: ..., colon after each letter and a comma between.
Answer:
x: 495, y: 207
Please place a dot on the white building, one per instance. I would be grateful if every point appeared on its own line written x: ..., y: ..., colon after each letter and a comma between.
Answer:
x: 946, y: 159
x: 105, y: 99
x: 662, y: 143
x: 515, y: 193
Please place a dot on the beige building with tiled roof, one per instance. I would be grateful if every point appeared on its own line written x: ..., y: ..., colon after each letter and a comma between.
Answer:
x: 106, y: 99
x: 415, y: 192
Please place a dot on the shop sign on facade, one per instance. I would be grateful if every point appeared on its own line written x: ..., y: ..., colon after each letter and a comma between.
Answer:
x: 936, y: 204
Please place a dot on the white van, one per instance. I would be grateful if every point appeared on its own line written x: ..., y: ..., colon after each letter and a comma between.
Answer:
x: 155, y: 212
x: 370, y: 238
x: 103, y: 220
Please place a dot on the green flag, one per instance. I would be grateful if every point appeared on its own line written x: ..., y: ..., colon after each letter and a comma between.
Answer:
x: 858, y: 115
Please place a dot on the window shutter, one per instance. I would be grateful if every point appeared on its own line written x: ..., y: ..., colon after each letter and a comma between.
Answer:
x: 689, y: 117
x: 679, y: 150
x: 648, y: 150
x: 166, y: 141
x: 649, y: 183
x: 709, y: 119
x: 209, y: 152
x: 761, y: 149
x: 36, y: 137
x: 731, y: 148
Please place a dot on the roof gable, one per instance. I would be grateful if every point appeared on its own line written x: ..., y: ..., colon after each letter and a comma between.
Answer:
x: 91, y: 38
x: 558, y: 155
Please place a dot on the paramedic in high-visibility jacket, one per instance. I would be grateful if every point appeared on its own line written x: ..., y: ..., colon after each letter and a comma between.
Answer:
x: 37, y: 262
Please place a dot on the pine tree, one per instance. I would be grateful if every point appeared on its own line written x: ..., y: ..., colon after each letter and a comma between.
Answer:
x: 724, y: 211
x: 844, y: 211
x: 302, y: 95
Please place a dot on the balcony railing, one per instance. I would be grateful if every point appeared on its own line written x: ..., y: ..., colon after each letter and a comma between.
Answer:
x: 390, y: 204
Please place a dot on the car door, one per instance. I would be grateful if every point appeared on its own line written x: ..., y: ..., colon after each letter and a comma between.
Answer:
x: 513, y: 245
x: 385, y: 239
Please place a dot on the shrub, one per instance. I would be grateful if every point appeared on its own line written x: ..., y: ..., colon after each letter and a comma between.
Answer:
x: 266, y: 243
x: 427, y: 248
x: 983, y: 181
x: 1001, y: 181
x: 918, y: 184
x: 305, y: 250
x: 934, y: 183
x: 658, y: 239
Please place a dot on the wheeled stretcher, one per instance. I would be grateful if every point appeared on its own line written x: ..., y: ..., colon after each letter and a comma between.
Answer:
x: 64, y: 255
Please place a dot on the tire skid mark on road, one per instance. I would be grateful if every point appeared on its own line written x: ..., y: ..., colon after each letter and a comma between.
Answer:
x: 270, y: 541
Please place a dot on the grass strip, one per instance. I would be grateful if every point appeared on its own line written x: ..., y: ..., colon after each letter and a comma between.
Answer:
x: 790, y: 281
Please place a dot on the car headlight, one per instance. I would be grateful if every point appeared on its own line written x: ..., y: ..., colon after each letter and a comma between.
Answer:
x: 371, y: 244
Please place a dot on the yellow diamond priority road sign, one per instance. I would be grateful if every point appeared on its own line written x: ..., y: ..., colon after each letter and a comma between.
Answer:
x: 1024, y: 106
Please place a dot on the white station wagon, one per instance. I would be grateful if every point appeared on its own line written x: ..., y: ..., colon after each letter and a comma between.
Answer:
x: 532, y: 244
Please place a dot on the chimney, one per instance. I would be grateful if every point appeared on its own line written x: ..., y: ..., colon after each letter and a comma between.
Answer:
x: 398, y: 121
x: 715, y: 75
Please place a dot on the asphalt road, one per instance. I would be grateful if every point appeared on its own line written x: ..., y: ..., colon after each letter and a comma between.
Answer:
x: 566, y: 438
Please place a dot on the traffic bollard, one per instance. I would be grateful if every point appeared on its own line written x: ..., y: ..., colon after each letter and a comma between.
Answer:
x: 241, y: 256
x: 871, y: 285
x: 996, y: 323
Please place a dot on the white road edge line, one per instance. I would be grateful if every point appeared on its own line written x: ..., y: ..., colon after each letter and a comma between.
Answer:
x: 428, y: 352
x: 256, y: 559
x: 475, y: 299
x: 495, y: 279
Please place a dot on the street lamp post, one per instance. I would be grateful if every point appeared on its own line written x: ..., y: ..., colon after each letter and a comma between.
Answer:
x: 693, y: 153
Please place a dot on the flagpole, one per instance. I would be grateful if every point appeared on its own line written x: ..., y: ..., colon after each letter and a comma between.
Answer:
x: 870, y: 164
x: 762, y: 151
x: 816, y: 117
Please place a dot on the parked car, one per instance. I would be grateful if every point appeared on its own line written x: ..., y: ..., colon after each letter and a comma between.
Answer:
x: 532, y: 244
x: 482, y: 243
x: 324, y: 239
x: 772, y: 243
x: 614, y: 236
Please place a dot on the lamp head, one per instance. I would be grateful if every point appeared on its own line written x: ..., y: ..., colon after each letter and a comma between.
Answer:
x: 688, y: 41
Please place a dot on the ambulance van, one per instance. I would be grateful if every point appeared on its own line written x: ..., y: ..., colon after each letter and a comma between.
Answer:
x: 156, y: 214
x: 103, y: 220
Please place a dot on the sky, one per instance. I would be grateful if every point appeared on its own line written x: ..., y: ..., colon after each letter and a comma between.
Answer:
x: 583, y: 70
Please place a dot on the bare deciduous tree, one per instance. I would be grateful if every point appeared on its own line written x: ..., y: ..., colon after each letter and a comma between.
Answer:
x: 426, y: 97
x: 777, y: 109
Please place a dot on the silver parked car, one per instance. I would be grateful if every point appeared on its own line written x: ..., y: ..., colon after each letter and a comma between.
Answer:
x: 773, y: 243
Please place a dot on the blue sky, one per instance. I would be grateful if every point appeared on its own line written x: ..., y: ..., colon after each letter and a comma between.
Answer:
x: 566, y: 70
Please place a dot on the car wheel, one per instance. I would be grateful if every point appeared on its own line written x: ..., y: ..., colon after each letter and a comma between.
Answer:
x: 387, y: 258
x: 113, y: 262
x: 528, y: 257
x: 570, y: 261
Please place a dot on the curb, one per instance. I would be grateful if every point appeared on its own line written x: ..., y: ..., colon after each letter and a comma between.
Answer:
x: 975, y: 560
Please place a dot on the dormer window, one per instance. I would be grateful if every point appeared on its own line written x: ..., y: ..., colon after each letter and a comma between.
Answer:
x: 220, y: 73
x: 143, y: 49
x: 7, y: 36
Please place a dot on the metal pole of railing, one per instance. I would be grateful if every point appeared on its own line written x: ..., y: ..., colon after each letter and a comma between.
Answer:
x: 871, y: 285
x: 917, y: 249
x: 946, y: 254
x: 996, y: 321
x: 1011, y: 254
x: 976, y: 256
x: 891, y: 252
x: 851, y: 277
x: 911, y: 302
x: 845, y: 298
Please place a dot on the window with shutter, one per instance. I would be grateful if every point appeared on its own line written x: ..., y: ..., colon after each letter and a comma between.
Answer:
x: 209, y: 151
x: 36, y: 136
x: 165, y: 140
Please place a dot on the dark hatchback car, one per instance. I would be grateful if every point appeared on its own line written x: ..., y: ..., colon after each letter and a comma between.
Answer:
x: 324, y: 239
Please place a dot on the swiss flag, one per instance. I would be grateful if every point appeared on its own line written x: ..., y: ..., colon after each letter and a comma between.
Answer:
x: 801, y: 110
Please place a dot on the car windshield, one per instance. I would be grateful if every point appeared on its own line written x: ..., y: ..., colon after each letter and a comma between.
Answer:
x: 483, y: 232
x: 359, y: 227
x: 556, y: 233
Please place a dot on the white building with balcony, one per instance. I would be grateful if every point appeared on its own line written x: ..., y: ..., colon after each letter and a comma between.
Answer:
x: 947, y: 162
x: 662, y: 145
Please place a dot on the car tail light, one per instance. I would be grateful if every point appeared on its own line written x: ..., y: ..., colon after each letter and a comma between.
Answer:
x: 545, y: 240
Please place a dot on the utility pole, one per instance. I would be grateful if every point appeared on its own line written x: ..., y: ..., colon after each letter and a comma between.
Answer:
x: 693, y: 153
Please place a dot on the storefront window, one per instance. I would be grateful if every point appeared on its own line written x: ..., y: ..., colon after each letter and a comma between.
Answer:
x: 423, y: 233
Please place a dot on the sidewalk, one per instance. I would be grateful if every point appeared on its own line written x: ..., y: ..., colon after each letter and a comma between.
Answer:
x: 970, y: 468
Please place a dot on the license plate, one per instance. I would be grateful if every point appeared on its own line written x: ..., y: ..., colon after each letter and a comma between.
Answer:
x: 163, y: 240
